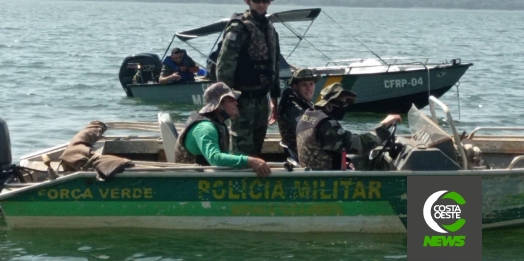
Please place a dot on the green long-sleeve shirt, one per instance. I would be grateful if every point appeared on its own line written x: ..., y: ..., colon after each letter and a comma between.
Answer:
x: 202, y: 139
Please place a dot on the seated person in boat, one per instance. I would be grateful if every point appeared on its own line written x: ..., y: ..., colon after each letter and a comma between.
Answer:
x: 321, y: 139
x: 178, y: 68
x: 205, y: 140
x: 294, y: 101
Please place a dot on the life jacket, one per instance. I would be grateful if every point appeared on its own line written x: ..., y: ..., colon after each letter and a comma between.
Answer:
x: 290, y: 96
x: 256, y: 64
x: 186, y: 76
x: 310, y: 152
x: 182, y: 155
x: 294, y: 107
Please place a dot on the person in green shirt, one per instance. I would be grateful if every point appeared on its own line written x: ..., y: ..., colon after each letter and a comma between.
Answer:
x: 205, y: 140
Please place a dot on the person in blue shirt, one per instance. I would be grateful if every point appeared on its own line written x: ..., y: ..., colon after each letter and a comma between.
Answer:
x: 178, y: 68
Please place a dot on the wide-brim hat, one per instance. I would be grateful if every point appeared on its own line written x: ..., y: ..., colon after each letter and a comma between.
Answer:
x: 333, y: 91
x: 214, y: 94
x: 302, y: 75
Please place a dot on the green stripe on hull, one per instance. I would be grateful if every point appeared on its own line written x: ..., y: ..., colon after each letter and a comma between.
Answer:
x: 163, y: 208
x: 292, y: 189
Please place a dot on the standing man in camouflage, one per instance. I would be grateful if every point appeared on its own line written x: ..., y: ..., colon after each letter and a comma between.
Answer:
x: 321, y: 139
x: 205, y: 140
x: 295, y: 100
x: 248, y: 62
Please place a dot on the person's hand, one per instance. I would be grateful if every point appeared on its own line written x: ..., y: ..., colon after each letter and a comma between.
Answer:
x: 390, y: 119
x: 273, y: 115
x: 175, y: 76
x: 350, y: 166
x: 260, y: 166
x: 183, y: 68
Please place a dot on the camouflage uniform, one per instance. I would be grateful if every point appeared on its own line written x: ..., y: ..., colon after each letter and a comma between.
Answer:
x: 291, y: 107
x: 321, y: 139
x: 213, y: 96
x: 248, y: 62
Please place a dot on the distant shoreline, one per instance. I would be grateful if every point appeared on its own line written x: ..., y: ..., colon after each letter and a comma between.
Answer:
x: 500, y: 5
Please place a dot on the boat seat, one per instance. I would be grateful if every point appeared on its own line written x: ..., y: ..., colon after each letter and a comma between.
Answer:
x: 169, y: 135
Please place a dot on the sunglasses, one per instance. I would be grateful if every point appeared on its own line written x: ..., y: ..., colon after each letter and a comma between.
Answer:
x: 261, y: 1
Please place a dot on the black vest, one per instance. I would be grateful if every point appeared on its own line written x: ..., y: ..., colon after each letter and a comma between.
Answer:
x: 257, y: 61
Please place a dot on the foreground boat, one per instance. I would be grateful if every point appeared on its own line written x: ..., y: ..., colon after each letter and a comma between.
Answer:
x: 158, y: 194
x: 389, y: 85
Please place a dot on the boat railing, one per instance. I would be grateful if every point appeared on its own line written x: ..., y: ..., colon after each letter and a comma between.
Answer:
x: 472, y: 134
x: 141, y: 126
x: 395, y: 61
x: 514, y: 161
x: 517, y: 158
x: 148, y: 165
x: 153, y: 127
x: 432, y: 101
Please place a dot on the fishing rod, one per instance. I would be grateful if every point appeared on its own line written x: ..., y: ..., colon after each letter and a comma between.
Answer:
x: 345, y: 31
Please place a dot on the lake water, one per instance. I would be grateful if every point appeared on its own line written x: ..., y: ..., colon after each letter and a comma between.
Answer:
x: 59, y: 63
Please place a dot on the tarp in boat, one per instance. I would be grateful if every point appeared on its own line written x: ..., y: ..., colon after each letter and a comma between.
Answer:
x: 79, y: 154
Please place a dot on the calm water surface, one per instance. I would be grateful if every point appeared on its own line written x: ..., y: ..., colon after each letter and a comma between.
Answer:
x: 59, y: 62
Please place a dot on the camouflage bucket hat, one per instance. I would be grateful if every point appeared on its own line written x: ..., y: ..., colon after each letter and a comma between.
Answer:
x: 214, y: 95
x: 302, y: 75
x: 332, y: 92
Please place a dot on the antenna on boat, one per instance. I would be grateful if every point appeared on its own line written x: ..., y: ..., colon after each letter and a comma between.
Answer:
x: 353, y: 37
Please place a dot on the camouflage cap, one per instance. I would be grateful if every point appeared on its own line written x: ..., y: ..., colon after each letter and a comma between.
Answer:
x: 214, y: 95
x: 332, y: 92
x: 302, y: 75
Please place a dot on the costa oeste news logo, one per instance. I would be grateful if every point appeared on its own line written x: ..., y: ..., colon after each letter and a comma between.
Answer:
x: 444, y: 218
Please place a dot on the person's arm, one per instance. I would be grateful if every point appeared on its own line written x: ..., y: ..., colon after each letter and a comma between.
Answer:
x: 335, y: 138
x: 275, y: 86
x: 288, y: 117
x: 192, y: 66
x: 168, y: 75
x: 274, y: 92
x: 202, y: 139
x: 228, y: 56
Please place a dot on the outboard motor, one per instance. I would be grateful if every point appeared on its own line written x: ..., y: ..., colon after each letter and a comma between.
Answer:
x: 139, y: 69
x: 5, y: 146
x: 8, y: 171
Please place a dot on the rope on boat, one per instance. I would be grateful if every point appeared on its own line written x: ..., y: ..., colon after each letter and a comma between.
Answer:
x: 345, y: 31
